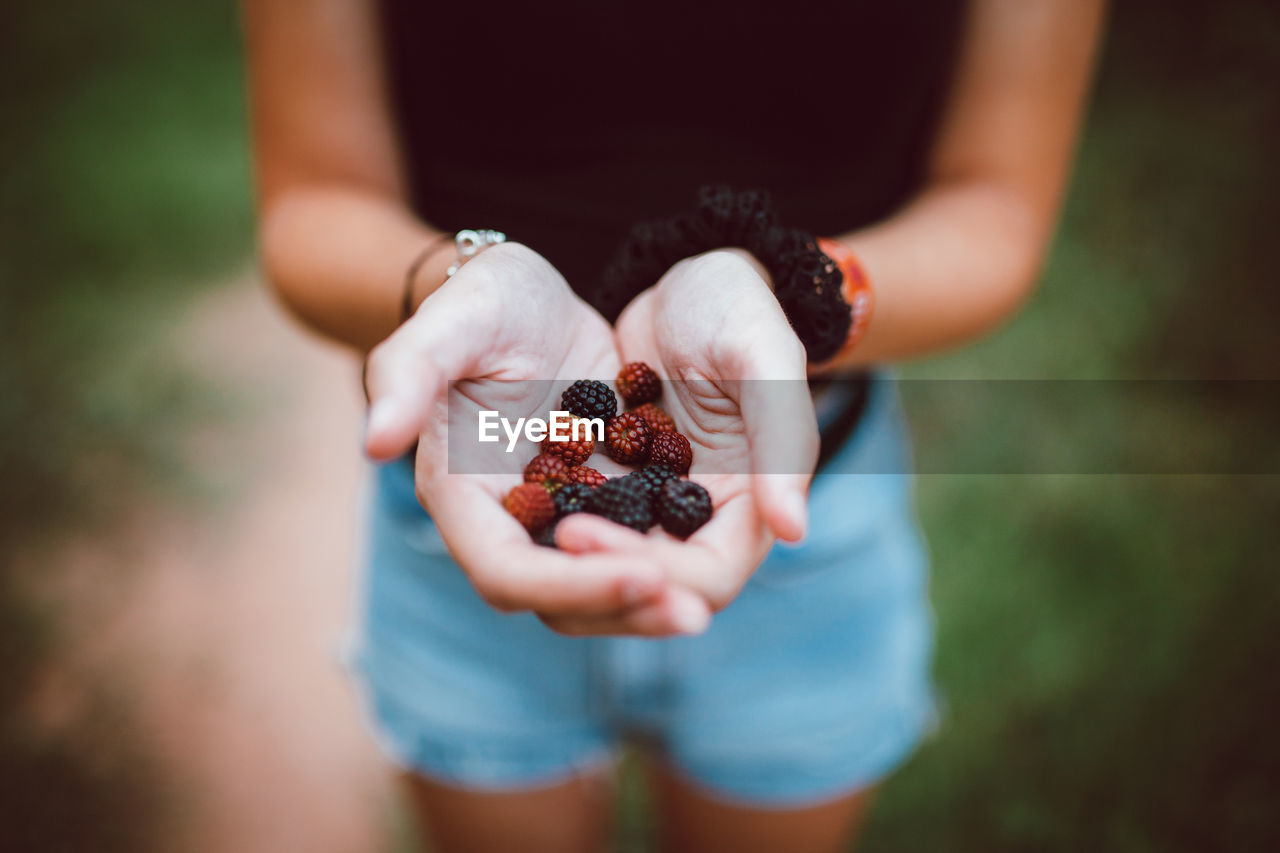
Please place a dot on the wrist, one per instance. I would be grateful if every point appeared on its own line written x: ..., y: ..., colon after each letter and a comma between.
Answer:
x: 422, y: 277
x: 435, y: 264
x: 806, y: 283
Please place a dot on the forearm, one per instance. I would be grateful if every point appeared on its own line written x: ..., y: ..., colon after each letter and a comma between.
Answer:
x: 336, y: 235
x: 950, y: 266
x: 338, y: 257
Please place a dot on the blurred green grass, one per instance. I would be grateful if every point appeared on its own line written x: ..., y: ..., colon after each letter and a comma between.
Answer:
x: 124, y: 190
x: 1107, y: 644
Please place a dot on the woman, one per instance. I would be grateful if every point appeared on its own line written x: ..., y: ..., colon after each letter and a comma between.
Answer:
x: 931, y: 142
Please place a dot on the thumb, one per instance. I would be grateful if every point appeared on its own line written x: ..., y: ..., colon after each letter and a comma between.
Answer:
x: 407, y: 375
x: 782, y: 438
x: 400, y: 405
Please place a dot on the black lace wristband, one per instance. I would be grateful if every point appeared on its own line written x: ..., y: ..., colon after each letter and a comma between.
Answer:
x: 806, y: 282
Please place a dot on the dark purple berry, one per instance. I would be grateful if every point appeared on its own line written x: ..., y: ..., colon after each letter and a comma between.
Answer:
x: 590, y: 398
x: 653, y: 478
x: 682, y: 507
x: 624, y: 501
x: 571, y: 498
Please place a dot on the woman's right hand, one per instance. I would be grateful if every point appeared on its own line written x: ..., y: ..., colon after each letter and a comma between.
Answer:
x: 493, y: 337
x: 737, y: 390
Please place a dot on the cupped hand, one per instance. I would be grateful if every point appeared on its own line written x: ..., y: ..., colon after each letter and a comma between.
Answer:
x: 491, y: 338
x: 740, y: 395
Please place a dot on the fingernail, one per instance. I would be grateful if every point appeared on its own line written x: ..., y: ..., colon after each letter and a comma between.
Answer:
x: 689, y: 615
x: 382, y: 414
x: 797, y: 508
x: 641, y: 588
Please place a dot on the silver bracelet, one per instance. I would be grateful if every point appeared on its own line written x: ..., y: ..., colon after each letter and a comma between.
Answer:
x: 471, y: 243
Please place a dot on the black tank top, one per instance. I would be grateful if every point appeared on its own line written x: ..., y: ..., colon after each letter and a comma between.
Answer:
x: 566, y: 121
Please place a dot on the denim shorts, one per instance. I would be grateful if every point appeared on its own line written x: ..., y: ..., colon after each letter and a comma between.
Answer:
x: 813, y: 683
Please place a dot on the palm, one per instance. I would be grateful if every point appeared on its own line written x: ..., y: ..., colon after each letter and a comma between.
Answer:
x: 712, y: 325
x: 510, y: 376
x: 481, y: 342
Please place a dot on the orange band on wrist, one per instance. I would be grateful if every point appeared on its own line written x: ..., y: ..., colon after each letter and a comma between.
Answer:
x: 856, y: 289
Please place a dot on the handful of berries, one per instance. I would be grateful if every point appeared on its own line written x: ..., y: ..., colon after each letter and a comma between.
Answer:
x: 557, y: 483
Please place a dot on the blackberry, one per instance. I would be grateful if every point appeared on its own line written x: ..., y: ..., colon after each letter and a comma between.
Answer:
x: 571, y: 498
x: 530, y: 504
x: 673, y: 449
x: 547, y: 471
x: 683, y: 506
x: 624, y: 501
x: 573, y: 452
x: 590, y: 398
x: 626, y: 438
x: 653, y: 478
x: 638, y: 384
x: 588, y: 477
x: 658, y: 420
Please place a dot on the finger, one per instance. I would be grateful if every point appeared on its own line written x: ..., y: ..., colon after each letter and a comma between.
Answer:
x: 679, y: 612
x: 401, y: 401
x: 782, y: 438
x: 590, y: 534
x: 525, y: 576
x: 512, y: 573
x: 583, y: 532
x: 407, y: 374
x: 715, y: 562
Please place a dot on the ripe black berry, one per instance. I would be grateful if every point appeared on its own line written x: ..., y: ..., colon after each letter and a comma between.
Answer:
x: 624, y: 501
x: 683, y: 506
x: 590, y: 398
x: 571, y: 498
x: 653, y: 478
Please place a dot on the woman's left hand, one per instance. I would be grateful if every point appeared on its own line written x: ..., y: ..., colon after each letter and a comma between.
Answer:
x: 738, y: 392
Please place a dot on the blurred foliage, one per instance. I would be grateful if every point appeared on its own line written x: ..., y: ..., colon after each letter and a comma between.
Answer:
x: 124, y: 187
x: 1107, y: 644
x: 1163, y: 264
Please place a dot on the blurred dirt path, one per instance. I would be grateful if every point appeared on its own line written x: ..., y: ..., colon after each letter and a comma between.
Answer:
x: 231, y: 606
